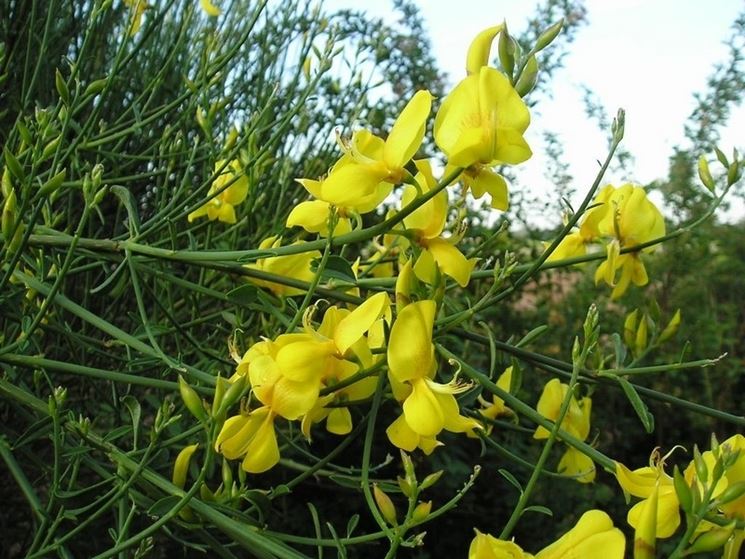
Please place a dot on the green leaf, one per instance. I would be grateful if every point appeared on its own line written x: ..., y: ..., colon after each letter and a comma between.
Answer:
x: 163, y: 506
x: 128, y: 201
x: 336, y: 267
x: 639, y: 406
x: 352, y: 524
x: 243, y: 294
x: 512, y: 479
x: 539, y: 509
x: 534, y: 334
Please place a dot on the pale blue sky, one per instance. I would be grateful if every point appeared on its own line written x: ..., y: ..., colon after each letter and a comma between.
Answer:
x: 648, y: 57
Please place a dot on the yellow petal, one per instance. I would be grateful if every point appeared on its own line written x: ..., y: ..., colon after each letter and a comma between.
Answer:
x: 425, y: 268
x: 312, y: 216
x: 408, y: 131
x: 339, y: 421
x: 401, y: 435
x: 352, y: 184
x: 360, y: 320
x: 489, y: 182
x: 593, y: 537
x: 454, y: 422
x: 263, y: 452
x: 645, y: 535
x: 577, y: 465
x: 236, y: 435
x: 292, y: 400
x: 263, y: 374
x: 209, y: 8
x: 410, y: 349
x: 314, y: 188
x: 668, y: 512
x: 429, y: 218
x: 640, y: 482
x: 478, y: 51
x: 303, y: 361
x: 571, y: 246
x: 485, y: 546
x: 422, y: 410
x: 451, y: 261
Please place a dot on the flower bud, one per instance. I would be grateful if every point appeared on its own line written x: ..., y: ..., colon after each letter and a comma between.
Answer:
x: 191, y: 399
x: 53, y: 184
x: 732, y: 493
x: 629, y: 328
x: 421, y: 512
x: 712, y: 539
x: 386, y: 506
x: 232, y: 394
x: 527, y: 80
x: 548, y: 36
x: 406, y: 488
x: 671, y: 328
x: 733, y: 173
x: 682, y: 490
x: 640, y: 342
x: 9, y: 216
x: 506, y: 50
x: 181, y: 465
x: 95, y: 87
x: 61, y: 86
x: 704, y: 174
x: 431, y: 479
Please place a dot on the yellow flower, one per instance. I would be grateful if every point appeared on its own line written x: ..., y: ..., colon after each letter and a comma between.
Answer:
x: 496, y: 407
x: 733, y: 474
x: 209, y: 8
x: 628, y: 218
x: 481, y: 124
x: 429, y: 407
x: 485, y: 546
x: 138, y: 8
x: 293, y: 266
x: 577, y: 419
x: 232, y: 185
x: 427, y: 223
x: 645, y: 483
x: 251, y: 435
x: 576, y: 422
x: 374, y: 160
x: 593, y: 537
x: 313, y: 215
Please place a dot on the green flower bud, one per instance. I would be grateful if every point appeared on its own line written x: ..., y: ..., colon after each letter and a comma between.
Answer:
x: 506, y: 50
x: 527, y: 80
x: 548, y: 36
x: 711, y: 540
x: 386, y: 506
x: 421, y: 512
x: 682, y: 490
x: 191, y: 399
x: 629, y: 328
x: 62, y: 89
x: 671, y: 328
x: 704, y: 174
x: 431, y: 479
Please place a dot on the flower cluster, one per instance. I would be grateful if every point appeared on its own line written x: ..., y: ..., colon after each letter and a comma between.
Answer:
x: 622, y: 218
